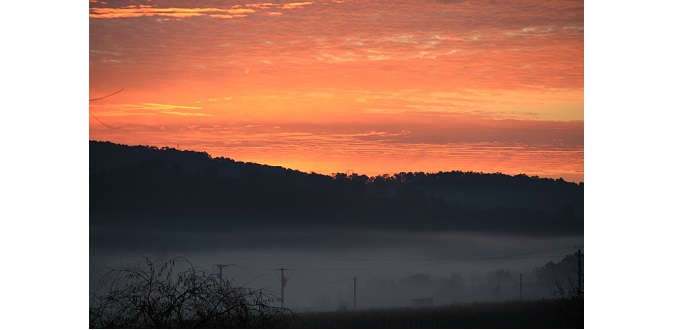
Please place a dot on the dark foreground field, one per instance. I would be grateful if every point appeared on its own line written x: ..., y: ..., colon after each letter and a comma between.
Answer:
x: 544, y: 314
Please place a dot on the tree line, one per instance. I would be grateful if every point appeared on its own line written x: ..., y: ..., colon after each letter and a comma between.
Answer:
x: 139, y: 182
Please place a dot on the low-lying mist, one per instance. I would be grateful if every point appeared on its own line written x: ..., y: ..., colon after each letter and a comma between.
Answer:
x: 337, y: 269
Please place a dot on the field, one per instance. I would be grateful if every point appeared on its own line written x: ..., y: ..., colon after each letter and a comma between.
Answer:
x: 154, y: 294
x: 542, y: 314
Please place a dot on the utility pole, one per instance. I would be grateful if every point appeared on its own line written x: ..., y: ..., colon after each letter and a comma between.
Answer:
x: 354, y: 292
x: 521, y: 286
x: 283, y: 283
x: 221, y: 267
x: 220, y: 275
x: 498, y: 286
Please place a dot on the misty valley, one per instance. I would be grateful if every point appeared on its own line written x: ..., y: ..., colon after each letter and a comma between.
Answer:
x: 308, y: 250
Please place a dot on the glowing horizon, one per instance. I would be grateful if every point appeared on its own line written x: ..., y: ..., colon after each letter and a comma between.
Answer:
x: 332, y: 86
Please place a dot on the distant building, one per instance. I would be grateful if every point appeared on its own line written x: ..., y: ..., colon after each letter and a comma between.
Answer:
x: 422, y: 302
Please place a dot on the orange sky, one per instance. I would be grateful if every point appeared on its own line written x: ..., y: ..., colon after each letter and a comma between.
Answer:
x: 331, y: 86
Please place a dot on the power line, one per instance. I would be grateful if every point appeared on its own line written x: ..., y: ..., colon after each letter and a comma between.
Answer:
x: 101, y: 98
x: 320, y: 285
x: 106, y: 96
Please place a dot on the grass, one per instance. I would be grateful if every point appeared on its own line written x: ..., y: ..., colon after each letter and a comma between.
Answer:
x: 542, y: 314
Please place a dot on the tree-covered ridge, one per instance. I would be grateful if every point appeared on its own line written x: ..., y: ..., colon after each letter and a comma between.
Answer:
x: 133, y: 183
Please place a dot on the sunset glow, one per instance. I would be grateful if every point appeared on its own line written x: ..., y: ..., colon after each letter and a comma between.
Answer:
x: 370, y: 87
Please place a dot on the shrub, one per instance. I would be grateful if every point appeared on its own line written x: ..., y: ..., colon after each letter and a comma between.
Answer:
x: 150, y: 295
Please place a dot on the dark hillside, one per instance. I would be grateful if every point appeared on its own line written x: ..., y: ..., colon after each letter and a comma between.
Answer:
x: 147, y: 185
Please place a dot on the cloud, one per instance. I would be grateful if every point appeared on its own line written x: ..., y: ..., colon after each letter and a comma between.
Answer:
x: 293, y: 5
x: 135, y: 11
x: 478, y: 45
x: 150, y: 109
x: 179, y: 113
x: 442, y: 71
x: 218, y: 99
x: 147, y: 11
